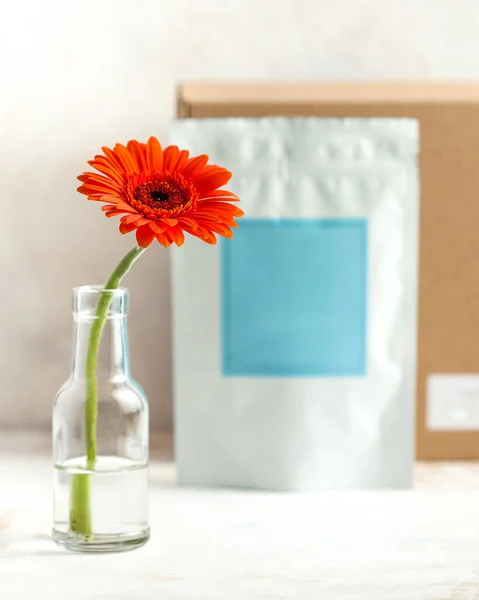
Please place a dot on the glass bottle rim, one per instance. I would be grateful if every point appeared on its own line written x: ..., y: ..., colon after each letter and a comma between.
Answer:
x: 98, y: 289
x: 86, y: 297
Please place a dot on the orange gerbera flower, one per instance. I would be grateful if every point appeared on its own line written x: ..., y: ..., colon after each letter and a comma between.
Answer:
x: 161, y: 193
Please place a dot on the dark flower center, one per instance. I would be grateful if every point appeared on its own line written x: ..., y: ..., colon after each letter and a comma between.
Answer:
x: 159, y: 196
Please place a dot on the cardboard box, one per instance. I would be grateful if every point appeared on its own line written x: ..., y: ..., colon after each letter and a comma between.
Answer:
x: 448, y: 334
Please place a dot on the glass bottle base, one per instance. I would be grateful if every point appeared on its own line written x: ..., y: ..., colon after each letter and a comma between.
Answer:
x: 117, y: 542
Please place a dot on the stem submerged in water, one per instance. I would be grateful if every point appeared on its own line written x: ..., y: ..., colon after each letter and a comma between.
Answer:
x: 80, y: 507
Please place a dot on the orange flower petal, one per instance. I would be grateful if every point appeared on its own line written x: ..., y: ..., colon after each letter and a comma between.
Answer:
x: 163, y: 239
x: 96, y: 191
x: 221, y: 229
x: 126, y: 159
x: 113, y: 213
x: 108, y: 161
x: 222, y: 208
x: 195, y: 165
x: 209, y: 170
x: 170, y: 222
x: 106, y: 207
x: 221, y: 195
x: 208, y: 182
x: 202, y: 233
x: 102, y: 181
x: 205, y: 235
x: 126, y: 228
x: 115, y: 178
x: 113, y: 159
x: 143, y: 221
x: 88, y: 191
x: 154, y: 155
x: 205, y: 215
x: 139, y: 155
x: 170, y: 158
x: 157, y: 227
x: 128, y: 219
x: 177, y: 235
x: 112, y: 198
x: 102, y: 164
x: 122, y: 205
x: 144, y: 236
x: 187, y: 222
x: 96, y: 188
x: 182, y: 160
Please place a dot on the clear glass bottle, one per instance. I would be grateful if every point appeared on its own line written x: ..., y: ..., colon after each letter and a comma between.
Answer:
x: 101, y: 506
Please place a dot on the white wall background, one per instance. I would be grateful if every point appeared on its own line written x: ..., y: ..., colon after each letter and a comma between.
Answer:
x: 79, y: 75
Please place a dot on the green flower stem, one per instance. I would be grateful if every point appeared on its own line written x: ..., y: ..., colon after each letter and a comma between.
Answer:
x: 80, y: 509
x: 80, y: 518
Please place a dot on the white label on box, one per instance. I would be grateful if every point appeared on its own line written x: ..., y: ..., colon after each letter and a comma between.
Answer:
x: 452, y: 402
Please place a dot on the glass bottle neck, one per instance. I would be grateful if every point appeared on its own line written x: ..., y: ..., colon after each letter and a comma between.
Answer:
x: 113, y: 356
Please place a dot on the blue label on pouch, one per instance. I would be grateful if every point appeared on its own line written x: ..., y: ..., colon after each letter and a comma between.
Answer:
x: 294, y: 298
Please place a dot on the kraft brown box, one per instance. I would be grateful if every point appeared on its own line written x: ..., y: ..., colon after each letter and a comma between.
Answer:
x: 448, y: 324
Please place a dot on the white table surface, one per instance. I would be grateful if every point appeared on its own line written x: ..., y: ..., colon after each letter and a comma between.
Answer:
x: 247, y: 545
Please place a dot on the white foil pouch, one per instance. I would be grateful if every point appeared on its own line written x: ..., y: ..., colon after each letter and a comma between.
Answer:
x: 295, y: 342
